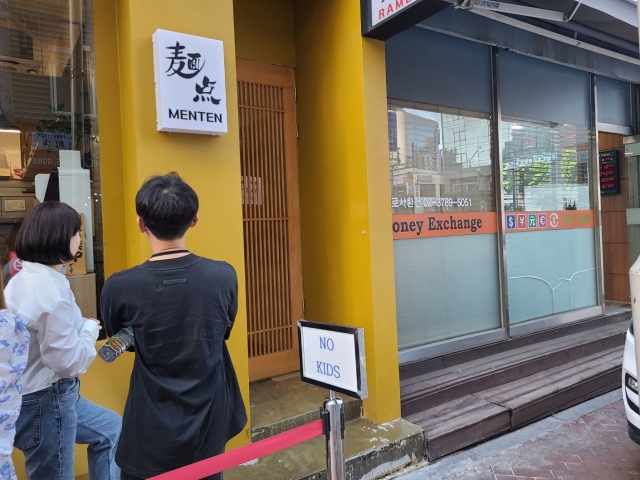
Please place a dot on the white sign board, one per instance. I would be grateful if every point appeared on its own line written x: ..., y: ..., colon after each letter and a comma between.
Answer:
x: 332, y: 356
x: 383, y: 9
x: 190, y: 89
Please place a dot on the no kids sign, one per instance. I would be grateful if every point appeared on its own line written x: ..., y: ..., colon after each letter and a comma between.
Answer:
x: 332, y: 356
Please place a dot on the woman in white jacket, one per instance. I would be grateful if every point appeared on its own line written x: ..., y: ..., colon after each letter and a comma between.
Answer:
x: 54, y: 416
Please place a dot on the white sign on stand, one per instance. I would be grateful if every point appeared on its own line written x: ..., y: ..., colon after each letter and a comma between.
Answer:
x: 332, y: 356
x: 190, y: 88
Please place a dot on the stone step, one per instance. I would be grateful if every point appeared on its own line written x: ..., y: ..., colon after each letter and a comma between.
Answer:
x: 372, y: 451
x: 558, y: 388
x: 439, y: 362
x: 423, y: 391
x: 473, y: 418
x: 281, y: 403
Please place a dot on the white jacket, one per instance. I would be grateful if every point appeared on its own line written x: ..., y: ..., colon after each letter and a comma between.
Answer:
x: 62, y: 343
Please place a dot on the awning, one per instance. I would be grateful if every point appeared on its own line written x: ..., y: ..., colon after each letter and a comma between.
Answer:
x: 382, y: 19
x: 623, y: 10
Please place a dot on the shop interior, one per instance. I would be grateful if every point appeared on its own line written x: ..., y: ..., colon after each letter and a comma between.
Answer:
x: 48, y: 128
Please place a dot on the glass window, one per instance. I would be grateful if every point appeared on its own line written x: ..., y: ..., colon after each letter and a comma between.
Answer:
x: 614, y: 101
x: 444, y: 223
x: 48, y: 113
x: 549, y: 212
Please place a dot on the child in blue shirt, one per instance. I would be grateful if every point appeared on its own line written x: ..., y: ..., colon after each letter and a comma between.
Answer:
x: 14, y: 348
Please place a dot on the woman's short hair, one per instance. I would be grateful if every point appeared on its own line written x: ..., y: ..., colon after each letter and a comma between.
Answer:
x: 167, y: 206
x: 45, y: 235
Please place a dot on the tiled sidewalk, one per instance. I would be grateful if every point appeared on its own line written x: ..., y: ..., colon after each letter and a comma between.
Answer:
x: 596, y: 446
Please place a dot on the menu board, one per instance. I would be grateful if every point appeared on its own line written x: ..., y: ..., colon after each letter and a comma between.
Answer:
x: 609, y: 173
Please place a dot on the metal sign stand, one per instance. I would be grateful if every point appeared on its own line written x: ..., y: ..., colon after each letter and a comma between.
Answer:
x: 332, y: 413
x: 332, y: 357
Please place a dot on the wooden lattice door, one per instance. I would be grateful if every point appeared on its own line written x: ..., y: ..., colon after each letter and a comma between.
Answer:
x: 270, y: 214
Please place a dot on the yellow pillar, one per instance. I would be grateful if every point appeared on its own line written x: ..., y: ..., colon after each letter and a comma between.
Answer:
x: 344, y: 187
x: 132, y: 150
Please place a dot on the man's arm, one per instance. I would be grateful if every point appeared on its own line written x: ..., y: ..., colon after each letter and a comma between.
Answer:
x: 110, y: 317
x: 232, y: 309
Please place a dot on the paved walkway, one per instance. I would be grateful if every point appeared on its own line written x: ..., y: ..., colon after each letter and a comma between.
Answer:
x: 589, y: 441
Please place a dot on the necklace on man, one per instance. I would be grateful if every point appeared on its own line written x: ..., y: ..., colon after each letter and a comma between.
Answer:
x: 171, y: 252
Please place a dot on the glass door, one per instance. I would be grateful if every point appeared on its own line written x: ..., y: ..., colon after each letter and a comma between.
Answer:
x: 444, y: 223
x: 551, y: 258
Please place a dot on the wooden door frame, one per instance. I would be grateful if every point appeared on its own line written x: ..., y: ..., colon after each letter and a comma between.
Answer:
x: 260, y: 73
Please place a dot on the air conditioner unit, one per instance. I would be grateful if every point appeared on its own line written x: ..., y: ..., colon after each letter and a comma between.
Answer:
x: 16, y: 50
x: 631, y: 146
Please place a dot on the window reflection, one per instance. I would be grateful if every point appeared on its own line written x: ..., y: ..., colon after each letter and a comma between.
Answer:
x: 440, y: 161
x: 545, y: 166
x: 47, y: 106
x: 444, y: 223
x: 551, y: 260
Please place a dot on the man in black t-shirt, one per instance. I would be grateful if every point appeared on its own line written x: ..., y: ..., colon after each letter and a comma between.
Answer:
x: 184, y: 402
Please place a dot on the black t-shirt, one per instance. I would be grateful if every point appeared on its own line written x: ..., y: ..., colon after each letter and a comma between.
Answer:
x: 184, y: 402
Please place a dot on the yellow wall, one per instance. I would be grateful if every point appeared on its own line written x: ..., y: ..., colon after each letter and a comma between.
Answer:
x: 264, y: 31
x: 211, y: 165
x: 132, y: 150
x: 344, y: 187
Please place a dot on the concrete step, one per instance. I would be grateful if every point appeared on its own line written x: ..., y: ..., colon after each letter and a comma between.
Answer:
x: 460, y: 423
x: 540, y: 395
x: 281, y: 403
x: 614, y: 315
x: 372, y: 451
x: 476, y: 417
x: 425, y: 390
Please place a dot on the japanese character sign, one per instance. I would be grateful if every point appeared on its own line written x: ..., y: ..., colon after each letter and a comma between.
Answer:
x: 178, y: 62
x: 51, y: 141
x: 190, y: 83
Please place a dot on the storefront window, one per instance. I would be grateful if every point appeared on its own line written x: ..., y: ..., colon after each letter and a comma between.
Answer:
x: 548, y: 204
x: 48, y: 120
x: 444, y: 223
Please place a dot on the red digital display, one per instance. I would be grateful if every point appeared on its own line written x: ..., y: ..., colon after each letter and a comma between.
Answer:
x: 609, y: 178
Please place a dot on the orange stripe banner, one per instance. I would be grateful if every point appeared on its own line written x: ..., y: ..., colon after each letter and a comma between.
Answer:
x: 426, y: 225
x: 555, y: 220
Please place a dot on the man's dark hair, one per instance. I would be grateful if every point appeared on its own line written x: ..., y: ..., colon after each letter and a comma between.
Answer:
x: 45, y: 235
x: 167, y: 206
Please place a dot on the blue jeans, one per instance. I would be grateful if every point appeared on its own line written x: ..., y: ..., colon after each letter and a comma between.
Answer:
x: 53, y: 420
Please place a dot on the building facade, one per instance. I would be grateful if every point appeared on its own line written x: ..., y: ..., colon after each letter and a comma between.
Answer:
x: 520, y: 129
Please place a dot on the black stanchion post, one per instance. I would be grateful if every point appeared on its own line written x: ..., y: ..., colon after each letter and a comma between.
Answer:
x: 333, y: 417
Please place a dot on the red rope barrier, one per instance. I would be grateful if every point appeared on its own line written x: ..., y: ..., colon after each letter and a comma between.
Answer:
x: 231, y: 459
